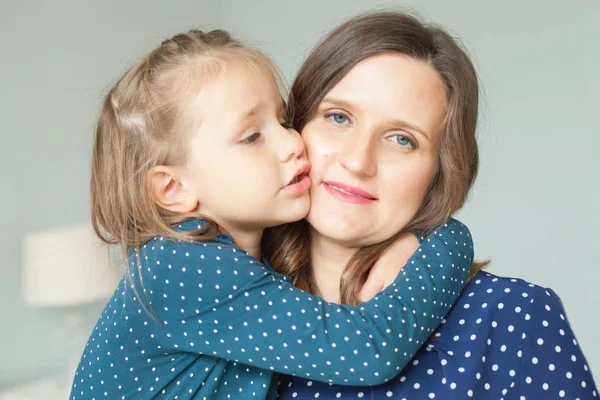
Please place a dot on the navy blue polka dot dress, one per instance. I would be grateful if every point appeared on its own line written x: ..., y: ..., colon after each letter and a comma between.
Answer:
x: 504, y: 339
x: 208, y: 321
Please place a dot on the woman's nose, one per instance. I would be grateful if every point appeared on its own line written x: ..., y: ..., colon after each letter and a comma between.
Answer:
x: 357, y: 154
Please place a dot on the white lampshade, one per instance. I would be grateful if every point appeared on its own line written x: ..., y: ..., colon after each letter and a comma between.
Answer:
x: 66, y: 267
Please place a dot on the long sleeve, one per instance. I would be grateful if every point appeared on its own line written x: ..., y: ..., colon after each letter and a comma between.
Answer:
x: 552, y: 364
x: 214, y: 299
x: 503, y: 339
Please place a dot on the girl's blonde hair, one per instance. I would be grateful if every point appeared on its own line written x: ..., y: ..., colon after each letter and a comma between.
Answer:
x: 145, y: 121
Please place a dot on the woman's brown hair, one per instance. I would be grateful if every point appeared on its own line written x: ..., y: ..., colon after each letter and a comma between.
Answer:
x: 288, y: 247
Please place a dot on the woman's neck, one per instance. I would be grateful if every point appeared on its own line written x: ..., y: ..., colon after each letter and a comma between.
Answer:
x: 329, y: 259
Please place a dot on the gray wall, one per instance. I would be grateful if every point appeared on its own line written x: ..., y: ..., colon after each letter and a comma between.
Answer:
x: 57, y: 60
x: 534, y: 208
x: 531, y: 211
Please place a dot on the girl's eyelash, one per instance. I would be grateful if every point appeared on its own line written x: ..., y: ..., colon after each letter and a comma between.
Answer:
x: 251, y: 139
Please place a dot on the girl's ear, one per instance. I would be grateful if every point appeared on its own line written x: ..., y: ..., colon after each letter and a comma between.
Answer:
x: 169, y: 191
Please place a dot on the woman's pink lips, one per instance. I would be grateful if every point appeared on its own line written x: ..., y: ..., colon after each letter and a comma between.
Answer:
x: 349, y: 194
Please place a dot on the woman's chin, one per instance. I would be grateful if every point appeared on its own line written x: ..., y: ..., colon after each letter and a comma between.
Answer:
x: 337, y: 229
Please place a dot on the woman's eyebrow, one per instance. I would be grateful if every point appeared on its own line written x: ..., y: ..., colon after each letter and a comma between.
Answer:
x: 337, y: 102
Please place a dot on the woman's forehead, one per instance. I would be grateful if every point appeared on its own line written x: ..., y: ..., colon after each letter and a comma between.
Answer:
x: 392, y: 86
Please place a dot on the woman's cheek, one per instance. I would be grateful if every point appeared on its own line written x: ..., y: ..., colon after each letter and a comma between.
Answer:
x: 319, y: 146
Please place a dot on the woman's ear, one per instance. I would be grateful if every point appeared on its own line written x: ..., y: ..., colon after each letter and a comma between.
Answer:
x: 169, y: 191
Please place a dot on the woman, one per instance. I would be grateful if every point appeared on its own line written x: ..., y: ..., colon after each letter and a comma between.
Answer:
x: 387, y: 107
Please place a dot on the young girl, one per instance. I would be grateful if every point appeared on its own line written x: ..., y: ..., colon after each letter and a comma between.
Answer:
x: 192, y: 161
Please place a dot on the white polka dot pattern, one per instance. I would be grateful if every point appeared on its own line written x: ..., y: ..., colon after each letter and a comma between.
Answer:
x: 224, y: 322
x: 504, y: 339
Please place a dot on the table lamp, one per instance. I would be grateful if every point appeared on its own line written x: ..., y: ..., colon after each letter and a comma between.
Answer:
x: 67, y: 267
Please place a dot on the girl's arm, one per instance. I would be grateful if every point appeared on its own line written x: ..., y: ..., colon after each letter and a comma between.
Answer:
x: 215, y: 299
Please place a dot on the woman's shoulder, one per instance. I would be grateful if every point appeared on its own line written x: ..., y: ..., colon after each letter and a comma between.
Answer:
x: 489, y: 289
x: 506, y: 305
x: 484, y: 280
x: 522, y: 328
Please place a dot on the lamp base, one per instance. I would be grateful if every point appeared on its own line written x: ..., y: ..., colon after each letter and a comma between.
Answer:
x: 48, y: 389
x: 75, y: 334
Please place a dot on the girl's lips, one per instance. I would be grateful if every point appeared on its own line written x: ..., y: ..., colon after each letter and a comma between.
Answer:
x: 304, y: 170
x: 300, y: 184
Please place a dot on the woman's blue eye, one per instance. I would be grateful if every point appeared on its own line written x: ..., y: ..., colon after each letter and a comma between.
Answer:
x: 402, y: 140
x: 338, y: 118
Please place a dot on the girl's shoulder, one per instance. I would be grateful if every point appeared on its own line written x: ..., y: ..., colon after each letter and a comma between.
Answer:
x: 168, y: 245
x: 165, y: 258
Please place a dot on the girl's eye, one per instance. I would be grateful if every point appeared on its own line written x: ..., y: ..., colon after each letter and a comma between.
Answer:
x: 251, y: 139
x: 402, y: 140
x: 338, y: 118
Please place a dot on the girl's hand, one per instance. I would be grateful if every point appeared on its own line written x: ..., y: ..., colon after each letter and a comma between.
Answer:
x: 385, y: 270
